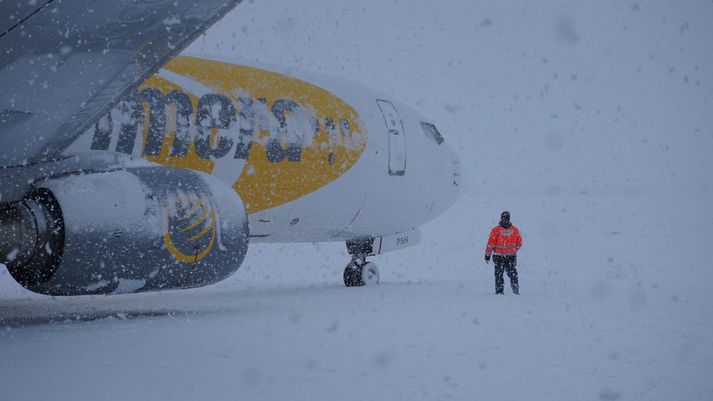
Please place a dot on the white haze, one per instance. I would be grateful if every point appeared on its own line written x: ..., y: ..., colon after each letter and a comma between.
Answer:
x: 592, y: 122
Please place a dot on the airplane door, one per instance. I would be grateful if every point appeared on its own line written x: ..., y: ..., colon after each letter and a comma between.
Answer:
x: 396, y: 137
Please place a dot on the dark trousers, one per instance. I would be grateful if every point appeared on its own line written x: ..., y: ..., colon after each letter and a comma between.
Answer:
x: 505, y: 263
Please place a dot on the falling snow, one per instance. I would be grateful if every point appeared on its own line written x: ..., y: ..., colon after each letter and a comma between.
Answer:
x: 590, y: 122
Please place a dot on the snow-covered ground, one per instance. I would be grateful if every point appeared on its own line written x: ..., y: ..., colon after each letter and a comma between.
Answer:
x: 609, y: 310
x: 591, y: 123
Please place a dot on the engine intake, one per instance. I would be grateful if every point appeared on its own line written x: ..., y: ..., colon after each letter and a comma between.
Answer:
x: 130, y: 230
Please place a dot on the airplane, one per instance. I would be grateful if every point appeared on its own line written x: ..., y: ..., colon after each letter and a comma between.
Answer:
x: 126, y: 167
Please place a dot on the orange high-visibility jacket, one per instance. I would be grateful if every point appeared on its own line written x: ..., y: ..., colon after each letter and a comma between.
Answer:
x: 504, y: 241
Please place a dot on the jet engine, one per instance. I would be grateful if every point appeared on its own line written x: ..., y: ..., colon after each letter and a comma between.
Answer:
x: 143, y: 228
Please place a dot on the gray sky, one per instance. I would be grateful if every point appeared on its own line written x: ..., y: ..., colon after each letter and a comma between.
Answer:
x: 604, y: 97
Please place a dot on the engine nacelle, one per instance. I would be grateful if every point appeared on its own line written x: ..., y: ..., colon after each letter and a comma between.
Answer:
x: 130, y: 230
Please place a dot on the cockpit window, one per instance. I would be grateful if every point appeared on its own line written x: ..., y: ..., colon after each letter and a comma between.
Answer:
x: 432, y: 132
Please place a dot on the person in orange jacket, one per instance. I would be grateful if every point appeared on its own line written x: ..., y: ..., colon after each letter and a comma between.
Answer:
x: 503, y: 244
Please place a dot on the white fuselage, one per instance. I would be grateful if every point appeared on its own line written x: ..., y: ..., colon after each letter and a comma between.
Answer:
x: 404, y: 175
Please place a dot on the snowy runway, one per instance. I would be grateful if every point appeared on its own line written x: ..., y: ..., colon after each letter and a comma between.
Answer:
x: 438, y: 340
x: 617, y: 317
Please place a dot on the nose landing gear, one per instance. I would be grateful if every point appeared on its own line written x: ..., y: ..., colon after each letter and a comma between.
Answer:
x: 359, y: 272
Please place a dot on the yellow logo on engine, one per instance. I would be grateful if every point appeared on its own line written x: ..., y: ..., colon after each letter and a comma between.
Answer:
x: 189, y: 228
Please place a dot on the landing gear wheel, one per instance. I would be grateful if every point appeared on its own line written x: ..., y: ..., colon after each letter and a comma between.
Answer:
x: 358, y: 275
x: 359, y: 272
x: 369, y: 274
x: 350, y: 275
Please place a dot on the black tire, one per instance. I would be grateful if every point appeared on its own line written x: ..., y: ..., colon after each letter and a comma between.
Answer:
x: 356, y: 275
x: 351, y: 275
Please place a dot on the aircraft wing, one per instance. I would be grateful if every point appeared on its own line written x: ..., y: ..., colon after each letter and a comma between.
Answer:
x: 65, y: 63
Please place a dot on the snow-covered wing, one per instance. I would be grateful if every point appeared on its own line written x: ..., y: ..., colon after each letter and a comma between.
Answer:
x: 65, y: 64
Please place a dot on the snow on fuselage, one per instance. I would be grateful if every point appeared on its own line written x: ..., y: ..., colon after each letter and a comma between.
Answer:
x: 314, y: 158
